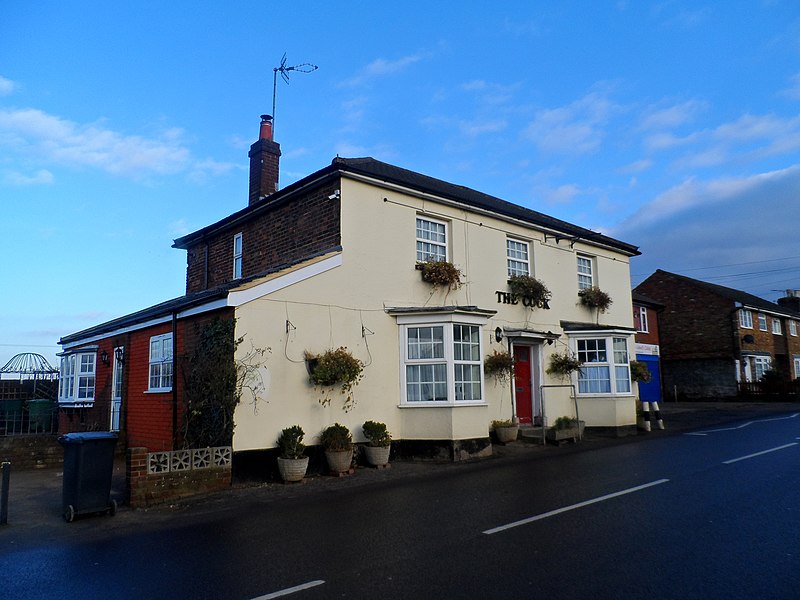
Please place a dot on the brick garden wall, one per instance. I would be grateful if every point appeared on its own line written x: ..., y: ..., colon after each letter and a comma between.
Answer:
x: 149, y: 489
x: 31, y: 451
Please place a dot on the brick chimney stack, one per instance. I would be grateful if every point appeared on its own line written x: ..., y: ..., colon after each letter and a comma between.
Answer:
x: 265, y: 157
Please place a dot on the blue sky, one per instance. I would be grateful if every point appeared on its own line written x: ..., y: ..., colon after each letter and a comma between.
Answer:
x: 671, y: 125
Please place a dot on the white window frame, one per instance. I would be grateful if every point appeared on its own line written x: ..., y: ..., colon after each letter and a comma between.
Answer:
x: 427, y: 240
x: 796, y: 362
x: 762, y: 322
x: 116, y: 387
x: 746, y: 318
x: 761, y: 364
x: 644, y: 326
x: 614, y: 369
x: 237, y: 256
x: 77, y: 378
x: 160, y: 371
x: 518, y: 257
x: 776, y: 326
x: 792, y: 327
x: 453, y: 364
x: 586, y: 267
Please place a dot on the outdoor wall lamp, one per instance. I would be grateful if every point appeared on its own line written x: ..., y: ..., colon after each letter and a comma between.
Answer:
x: 104, y: 357
x: 118, y: 355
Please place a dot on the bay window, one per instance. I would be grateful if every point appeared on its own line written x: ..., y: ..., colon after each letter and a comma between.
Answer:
x: 606, y: 366
x: 77, y: 378
x: 442, y: 362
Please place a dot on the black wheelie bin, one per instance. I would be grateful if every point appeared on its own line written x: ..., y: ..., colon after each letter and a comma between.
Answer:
x: 88, y: 468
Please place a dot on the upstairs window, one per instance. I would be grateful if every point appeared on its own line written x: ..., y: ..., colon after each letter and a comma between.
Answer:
x: 237, y: 256
x: 585, y: 272
x: 746, y: 319
x: 517, y: 258
x: 431, y: 240
x: 776, y: 326
x: 77, y: 378
x: 762, y: 321
x: 161, y: 363
x: 643, y: 325
x: 793, y: 328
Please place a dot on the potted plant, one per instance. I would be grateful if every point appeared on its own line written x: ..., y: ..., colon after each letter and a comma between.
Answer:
x: 594, y: 297
x: 440, y: 273
x: 335, y: 368
x: 533, y: 292
x: 565, y: 428
x: 292, y: 463
x: 499, y: 364
x: 337, y: 442
x: 379, y: 443
x: 505, y: 430
x: 563, y: 364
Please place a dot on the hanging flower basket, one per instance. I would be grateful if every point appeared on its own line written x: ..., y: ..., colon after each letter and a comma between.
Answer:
x: 335, y: 368
x: 563, y: 364
x: 440, y: 274
x: 594, y: 297
x: 534, y: 293
x: 499, y: 364
x: 639, y: 372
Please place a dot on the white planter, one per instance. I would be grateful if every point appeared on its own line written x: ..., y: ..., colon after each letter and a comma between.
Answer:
x: 339, y: 461
x: 377, y: 456
x: 292, y: 469
x: 506, y: 434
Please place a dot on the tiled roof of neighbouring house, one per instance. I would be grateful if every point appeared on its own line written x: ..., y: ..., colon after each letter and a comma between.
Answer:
x: 375, y: 169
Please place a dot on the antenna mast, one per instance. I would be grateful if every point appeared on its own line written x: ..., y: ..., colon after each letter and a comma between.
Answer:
x: 284, y: 71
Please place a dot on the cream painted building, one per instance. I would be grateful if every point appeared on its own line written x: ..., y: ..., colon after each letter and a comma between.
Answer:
x: 332, y: 261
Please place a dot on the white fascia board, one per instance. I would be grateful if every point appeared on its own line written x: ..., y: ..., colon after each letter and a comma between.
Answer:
x: 598, y: 332
x: 237, y: 298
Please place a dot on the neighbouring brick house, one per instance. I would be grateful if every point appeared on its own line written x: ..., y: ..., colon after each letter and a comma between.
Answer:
x: 645, y: 319
x: 332, y: 261
x: 716, y: 340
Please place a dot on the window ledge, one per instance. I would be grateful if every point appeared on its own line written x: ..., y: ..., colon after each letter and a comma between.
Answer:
x: 440, y: 404
x: 158, y: 391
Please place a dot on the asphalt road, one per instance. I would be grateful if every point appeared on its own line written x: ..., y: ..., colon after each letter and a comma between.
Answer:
x: 708, y: 514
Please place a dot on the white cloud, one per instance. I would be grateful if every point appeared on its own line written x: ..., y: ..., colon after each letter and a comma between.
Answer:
x: 636, y: 166
x: 37, y: 135
x: 563, y: 194
x: 381, y: 67
x: 7, y: 86
x: 793, y: 91
x: 41, y: 177
x: 576, y: 128
x: 656, y: 117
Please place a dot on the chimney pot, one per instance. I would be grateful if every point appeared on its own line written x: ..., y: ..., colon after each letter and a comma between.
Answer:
x: 266, y: 128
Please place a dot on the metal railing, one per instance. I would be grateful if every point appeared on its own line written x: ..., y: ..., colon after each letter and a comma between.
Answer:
x: 37, y: 418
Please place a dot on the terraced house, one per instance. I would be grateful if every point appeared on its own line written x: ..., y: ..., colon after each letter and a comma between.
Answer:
x: 718, y: 342
x: 337, y: 260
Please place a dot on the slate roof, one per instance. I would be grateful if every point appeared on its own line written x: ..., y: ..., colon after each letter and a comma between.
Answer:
x: 388, y: 173
x: 733, y: 295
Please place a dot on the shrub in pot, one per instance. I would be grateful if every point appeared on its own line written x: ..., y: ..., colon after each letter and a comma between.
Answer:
x: 337, y: 442
x: 505, y: 430
x: 292, y: 462
x: 379, y: 443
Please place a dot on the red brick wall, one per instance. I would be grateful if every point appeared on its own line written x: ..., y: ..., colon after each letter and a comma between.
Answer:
x: 651, y: 336
x: 288, y: 232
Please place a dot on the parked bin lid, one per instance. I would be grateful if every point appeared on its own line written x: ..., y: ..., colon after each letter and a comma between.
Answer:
x: 79, y: 437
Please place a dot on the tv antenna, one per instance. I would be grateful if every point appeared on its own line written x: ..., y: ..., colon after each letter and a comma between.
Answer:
x: 284, y: 71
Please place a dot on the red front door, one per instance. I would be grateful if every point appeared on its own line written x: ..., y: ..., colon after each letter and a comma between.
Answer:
x: 522, y: 383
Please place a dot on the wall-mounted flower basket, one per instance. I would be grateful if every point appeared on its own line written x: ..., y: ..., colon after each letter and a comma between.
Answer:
x: 639, y: 372
x: 594, y: 297
x: 499, y: 364
x: 335, y: 368
x: 440, y: 274
x: 533, y: 292
x: 563, y: 364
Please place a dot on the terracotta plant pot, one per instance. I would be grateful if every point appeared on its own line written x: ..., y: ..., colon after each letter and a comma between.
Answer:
x: 292, y: 469
x: 339, y: 461
x: 506, y: 434
x: 377, y: 456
